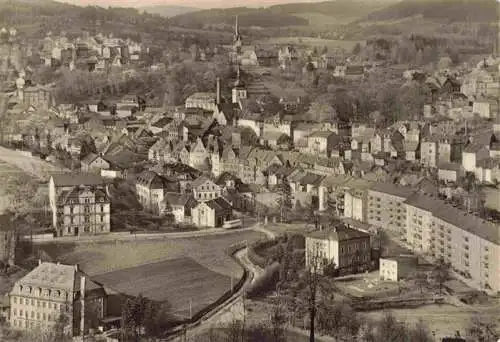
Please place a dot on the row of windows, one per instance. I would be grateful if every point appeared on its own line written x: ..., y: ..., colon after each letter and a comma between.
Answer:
x: 86, y: 209
x: 34, y: 315
x: 87, y: 218
x: 37, y: 303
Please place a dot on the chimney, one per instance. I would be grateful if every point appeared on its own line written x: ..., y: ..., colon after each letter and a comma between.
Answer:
x: 39, y: 262
x: 82, y: 305
x: 218, y: 91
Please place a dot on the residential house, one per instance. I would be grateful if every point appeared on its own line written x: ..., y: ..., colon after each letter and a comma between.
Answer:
x: 470, y: 244
x: 487, y: 108
x: 450, y: 149
x: 212, y: 213
x: 179, y: 206
x: 450, y: 172
x: 38, y: 298
x: 471, y: 154
x: 80, y: 204
x: 267, y: 58
x: 488, y: 170
x: 206, y: 101
x: 385, y: 206
x: 94, y: 162
x: 287, y: 57
x: 412, y: 151
x: 151, y: 189
x: 347, y: 249
x: 322, y: 143
x: 349, y: 72
x: 37, y: 96
x: 429, y: 151
x: 205, y: 189
x: 395, y: 268
x: 198, y: 154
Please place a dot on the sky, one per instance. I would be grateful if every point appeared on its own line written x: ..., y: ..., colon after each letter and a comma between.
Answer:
x: 188, y: 3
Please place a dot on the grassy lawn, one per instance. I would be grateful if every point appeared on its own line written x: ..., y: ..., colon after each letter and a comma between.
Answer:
x: 98, y: 258
x: 445, y: 320
x: 176, y: 280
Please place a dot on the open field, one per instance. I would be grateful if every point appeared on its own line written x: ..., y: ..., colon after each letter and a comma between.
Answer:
x: 177, y: 280
x: 102, y: 257
x: 310, y: 42
x: 445, y: 320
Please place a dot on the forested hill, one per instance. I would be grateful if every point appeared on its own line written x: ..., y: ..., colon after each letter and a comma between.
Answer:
x: 37, y: 17
x: 296, y: 14
x: 444, y: 11
x: 261, y: 17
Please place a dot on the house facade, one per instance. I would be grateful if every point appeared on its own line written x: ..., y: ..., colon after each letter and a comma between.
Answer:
x: 80, y: 205
x: 349, y: 250
x: 212, y: 213
x: 38, y: 299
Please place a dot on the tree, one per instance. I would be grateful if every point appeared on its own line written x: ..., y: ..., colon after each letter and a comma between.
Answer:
x: 420, y: 333
x: 441, y: 274
x: 483, y: 329
x: 421, y: 280
x: 390, y: 330
x: 278, y: 320
x: 356, y: 49
x: 285, y: 199
x: 321, y: 110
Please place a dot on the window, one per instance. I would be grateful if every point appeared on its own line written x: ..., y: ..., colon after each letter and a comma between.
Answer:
x: 14, y: 311
x: 20, y: 312
x: 43, y: 304
x: 20, y: 301
x: 44, y: 316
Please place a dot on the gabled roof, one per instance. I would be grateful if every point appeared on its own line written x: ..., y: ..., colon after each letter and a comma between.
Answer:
x: 200, y: 181
x: 152, y: 180
x: 177, y: 199
x: 219, y: 204
x: 338, y: 233
x: 74, y: 179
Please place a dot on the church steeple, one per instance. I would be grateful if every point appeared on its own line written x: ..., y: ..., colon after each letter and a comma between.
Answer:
x: 236, y: 29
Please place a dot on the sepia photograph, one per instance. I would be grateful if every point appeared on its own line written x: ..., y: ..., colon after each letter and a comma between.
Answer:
x: 250, y: 171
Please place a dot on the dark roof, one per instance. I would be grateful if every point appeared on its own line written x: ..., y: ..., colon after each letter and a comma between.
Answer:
x: 162, y: 122
x: 152, y: 180
x: 355, y: 70
x: 338, y: 233
x: 392, y: 189
x: 229, y: 110
x: 224, y: 177
x: 460, y: 219
x: 219, y: 204
x: 177, y: 199
x: 74, y: 179
x: 261, y: 53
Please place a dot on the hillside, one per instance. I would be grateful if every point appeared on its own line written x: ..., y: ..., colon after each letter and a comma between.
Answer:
x: 443, y: 11
x: 471, y: 20
x: 326, y: 13
x: 168, y: 11
x: 35, y: 18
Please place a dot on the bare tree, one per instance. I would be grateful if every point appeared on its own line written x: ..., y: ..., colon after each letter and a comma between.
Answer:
x: 441, y: 274
x: 483, y: 329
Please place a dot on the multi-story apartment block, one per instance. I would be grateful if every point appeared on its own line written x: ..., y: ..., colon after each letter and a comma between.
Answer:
x: 386, y: 206
x: 348, y: 249
x: 39, y: 298
x: 355, y: 204
x: 80, y: 204
x: 470, y: 244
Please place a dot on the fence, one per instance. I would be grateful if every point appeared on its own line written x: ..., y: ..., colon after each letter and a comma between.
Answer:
x: 201, y: 315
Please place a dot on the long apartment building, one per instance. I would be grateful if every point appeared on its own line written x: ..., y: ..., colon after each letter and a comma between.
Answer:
x: 386, y: 207
x: 470, y: 244
x: 80, y: 204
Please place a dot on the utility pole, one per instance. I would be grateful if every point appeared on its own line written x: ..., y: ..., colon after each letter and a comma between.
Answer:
x: 190, y: 309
